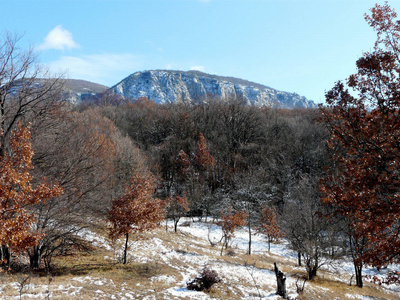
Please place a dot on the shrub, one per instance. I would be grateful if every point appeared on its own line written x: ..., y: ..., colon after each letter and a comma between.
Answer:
x: 204, y: 281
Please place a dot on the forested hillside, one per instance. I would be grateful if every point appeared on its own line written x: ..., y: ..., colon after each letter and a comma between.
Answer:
x: 322, y: 184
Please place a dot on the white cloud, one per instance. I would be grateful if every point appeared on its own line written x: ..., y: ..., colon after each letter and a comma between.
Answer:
x: 105, y: 69
x: 198, y: 68
x: 59, y: 39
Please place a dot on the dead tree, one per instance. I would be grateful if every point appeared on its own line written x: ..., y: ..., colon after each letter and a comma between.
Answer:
x: 281, y: 282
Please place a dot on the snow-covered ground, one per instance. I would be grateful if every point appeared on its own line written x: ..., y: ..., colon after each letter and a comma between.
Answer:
x: 185, y: 254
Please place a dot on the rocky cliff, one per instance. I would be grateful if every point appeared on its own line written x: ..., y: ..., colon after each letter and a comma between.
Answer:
x: 166, y: 86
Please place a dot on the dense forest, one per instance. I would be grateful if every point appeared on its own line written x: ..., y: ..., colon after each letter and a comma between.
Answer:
x: 325, y: 179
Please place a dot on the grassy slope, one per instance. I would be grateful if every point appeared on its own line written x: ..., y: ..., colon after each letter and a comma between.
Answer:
x: 161, y: 263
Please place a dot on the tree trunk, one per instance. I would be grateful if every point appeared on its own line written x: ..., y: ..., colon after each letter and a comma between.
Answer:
x: 358, y: 270
x: 224, y: 244
x: 281, y: 282
x: 312, y: 272
x: 249, y: 238
x: 312, y: 267
x: 126, y: 248
x: 35, y: 257
x: 47, y: 261
x: 176, y: 224
x: 5, y: 256
x: 2, y: 113
x: 299, y: 258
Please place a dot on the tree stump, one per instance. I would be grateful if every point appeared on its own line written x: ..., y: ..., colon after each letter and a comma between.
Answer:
x: 281, y: 282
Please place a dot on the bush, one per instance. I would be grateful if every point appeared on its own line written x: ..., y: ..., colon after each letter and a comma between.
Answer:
x: 204, y: 281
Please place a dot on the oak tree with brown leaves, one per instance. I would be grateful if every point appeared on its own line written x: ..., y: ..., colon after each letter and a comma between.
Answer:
x: 268, y: 225
x: 229, y: 222
x: 205, y: 179
x: 182, y: 165
x: 364, y: 181
x: 136, y: 211
x: 204, y: 160
x: 18, y: 196
x: 177, y: 207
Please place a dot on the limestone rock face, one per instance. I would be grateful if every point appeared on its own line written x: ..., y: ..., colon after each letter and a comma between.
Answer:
x: 166, y: 86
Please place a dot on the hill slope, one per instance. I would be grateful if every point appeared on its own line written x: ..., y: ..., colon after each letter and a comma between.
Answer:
x: 160, y: 264
x: 166, y: 86
x: 79, y: 90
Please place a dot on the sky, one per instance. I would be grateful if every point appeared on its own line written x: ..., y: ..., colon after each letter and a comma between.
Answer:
x: 301, y: 46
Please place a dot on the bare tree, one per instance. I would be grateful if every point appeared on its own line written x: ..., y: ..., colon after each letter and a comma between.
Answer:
x: 304, y: 225
x: 249, y: 194
x: 90, y: 159
x: 25, y: 87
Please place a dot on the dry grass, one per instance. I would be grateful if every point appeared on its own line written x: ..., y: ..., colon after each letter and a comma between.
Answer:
x: 96, y: 275
x: 334, y: 289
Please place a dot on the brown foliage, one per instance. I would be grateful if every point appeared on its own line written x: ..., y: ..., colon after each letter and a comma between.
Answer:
x: 177, y: 207
x: 268, y: 225
x: 229, y: 222
x: 365, y: 145
x: 182, y: 164
x: 136, y: 211
x: 18, y: 195
x: 203, y: 157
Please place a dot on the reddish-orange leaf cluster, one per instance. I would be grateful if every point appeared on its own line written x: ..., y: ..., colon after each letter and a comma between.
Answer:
x: 177, y: 205
x: 182, y: 164
x: 228, y: 224
x: 268, y: 225
x: 137, y: 210
x: 18, y: 195
x: 230, y: 221
x: 203, y: 157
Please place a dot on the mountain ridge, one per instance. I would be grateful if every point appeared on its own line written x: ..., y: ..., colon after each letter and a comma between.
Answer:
x: 169, y: 86
x: 78, y: 90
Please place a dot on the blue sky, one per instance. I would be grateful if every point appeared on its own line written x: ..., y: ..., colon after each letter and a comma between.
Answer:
x: 301, y: 46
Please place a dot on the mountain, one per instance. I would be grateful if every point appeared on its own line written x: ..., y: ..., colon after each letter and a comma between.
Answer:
x: 78, y: 90
x: 166, y: 86
x: 74, y: 90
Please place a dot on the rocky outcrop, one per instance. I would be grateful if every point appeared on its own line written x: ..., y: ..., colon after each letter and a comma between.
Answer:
x: 165, y: 86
